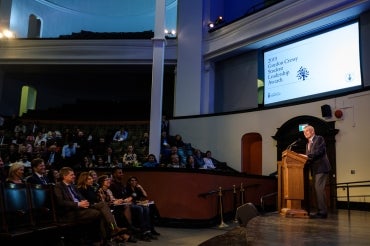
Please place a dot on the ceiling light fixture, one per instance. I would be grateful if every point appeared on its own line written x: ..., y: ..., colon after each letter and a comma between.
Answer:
x: 170, y: 34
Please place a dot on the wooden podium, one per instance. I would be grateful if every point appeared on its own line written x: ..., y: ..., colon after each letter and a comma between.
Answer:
x: 291, y: 184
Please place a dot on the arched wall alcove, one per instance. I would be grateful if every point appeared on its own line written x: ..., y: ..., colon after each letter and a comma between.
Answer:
x: 252, y: 153
x: 289, y: 132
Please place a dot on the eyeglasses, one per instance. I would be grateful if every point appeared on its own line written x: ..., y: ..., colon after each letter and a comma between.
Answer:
x: 133, y: 180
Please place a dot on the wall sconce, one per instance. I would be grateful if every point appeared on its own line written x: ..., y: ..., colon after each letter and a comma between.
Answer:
x: 6, y: 34
x: 219, y: 20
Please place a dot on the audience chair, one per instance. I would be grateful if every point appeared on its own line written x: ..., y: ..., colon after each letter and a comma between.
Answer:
x: 42, y: 206
x: 16, y: 213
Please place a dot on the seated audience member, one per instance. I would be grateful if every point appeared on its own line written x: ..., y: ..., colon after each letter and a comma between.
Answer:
x: 182, y: 155
x: 198, y: 158
x: 144, y: 141
x: 41, y: 137
x: 37, y: 152
x: 27, y: 147
x: 69, y: 154
x: 116, y: 162
x: 167, y: 157
x: 95, y: 184
x: 208, y: 161
x: 52, y: 158
x: 117, y: 189
x: 73, y: 207
x: 38, y: 175
x: 16, y: 174
x: 119, y: 206
x: 25, y: 160
x: 129, y: 159
x: 190, y: 162
x: 53, y: 176
x: 91, y: 154
x: 165, y: 144
x: 100, y: 162
x: 140, y: 217
x: 138, y: 194
x: 24, y: 153
x: 120, y: 135
x: 178, y: 141
x: 175, y: 162
x: 165, y: 125
x: 11, y: 155
x: 86, y: 163
x: 109, y: 156
x: 85, y: 187
x: 151, y: 161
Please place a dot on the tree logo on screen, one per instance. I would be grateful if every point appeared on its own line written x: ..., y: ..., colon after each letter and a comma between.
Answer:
x: 303, y: 73
x: 349, y: 77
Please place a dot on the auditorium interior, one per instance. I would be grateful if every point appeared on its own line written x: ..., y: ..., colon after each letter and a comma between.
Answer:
x: 97, y: 67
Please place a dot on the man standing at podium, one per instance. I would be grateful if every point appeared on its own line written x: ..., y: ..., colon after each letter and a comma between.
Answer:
x: 319, y: 164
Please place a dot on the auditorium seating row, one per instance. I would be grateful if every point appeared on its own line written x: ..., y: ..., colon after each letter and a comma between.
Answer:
x: 28, y: 215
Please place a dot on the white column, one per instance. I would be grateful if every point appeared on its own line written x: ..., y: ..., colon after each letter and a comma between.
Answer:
x: 159, y: 42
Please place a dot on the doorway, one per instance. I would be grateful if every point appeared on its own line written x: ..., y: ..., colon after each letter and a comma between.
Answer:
x: 252, y: 153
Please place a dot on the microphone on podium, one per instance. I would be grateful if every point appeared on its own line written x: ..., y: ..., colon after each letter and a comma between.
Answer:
x: 294, y: 143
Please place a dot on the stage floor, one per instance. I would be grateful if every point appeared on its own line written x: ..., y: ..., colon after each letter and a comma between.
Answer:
x: 340, y: 228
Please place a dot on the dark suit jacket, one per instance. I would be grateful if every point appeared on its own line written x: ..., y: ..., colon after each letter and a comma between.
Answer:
x: 68, y: 210
x: 317, y: 158
x: 64, y: 199
x: 34, y: 179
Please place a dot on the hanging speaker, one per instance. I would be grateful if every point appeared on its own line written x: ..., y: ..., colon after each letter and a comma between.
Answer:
x: 326, y: 111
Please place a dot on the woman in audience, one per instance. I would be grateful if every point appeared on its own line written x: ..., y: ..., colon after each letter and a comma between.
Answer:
x: 139, y: 195
x: 100, y: 162
x: 190, y: 162
x: 53, y: 176
x: 129, y: 158
x: 72, y: 207
x: 95, y: 184
x: 151, y: 161
x: 119, y: 206
x: 16, y: 174
x: 139, y: 218
x: 87, y: 163
x: 84, y: 186
x: 178, y: 141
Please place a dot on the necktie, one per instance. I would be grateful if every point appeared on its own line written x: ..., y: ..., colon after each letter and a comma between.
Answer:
x: 73, y: 193
x: 43, y: 180
x: 310, y: 145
